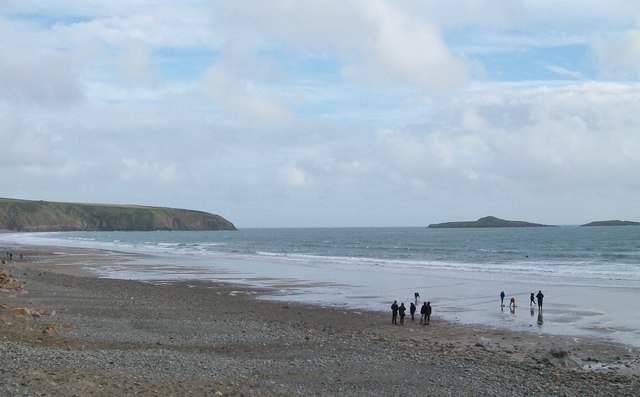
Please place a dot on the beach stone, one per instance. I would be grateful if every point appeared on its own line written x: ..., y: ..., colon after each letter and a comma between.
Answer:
x: 562, y: 358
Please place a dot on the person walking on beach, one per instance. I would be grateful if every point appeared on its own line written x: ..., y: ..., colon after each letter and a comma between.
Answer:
x: 402, y: 309
x: 428, y: 313
x: 394, y: 312
x: 412, y: 310
x: 416, y: 295
x: 540, y: 297
x: 502, y: 295
x: 423, y: 313
x: 532, y: 300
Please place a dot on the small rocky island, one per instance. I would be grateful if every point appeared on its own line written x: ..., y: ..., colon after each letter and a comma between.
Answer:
x: 486, y: 222
x: 612, y: 223
x: 47, y: 216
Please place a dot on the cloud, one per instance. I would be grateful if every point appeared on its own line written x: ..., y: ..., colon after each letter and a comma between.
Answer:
x: 30, y: 77
x: 404, y: 50
x: 559, y: 137
x: 242, y: 100
x: 564, y: 72
x: 620, y: 58
x: 293, y: 177
x: 323, y: 112
x: 375, y: 42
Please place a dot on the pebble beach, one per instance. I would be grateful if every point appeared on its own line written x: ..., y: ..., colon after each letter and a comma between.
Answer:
x: 66, y: 332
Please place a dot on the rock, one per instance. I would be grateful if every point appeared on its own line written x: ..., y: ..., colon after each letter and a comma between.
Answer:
x: 562, y: 358
x: 51, y: 329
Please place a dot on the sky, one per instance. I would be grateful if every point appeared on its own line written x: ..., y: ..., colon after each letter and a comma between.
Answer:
x: 326, y: 113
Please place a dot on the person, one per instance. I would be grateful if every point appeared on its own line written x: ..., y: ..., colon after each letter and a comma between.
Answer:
x: 394, y: 312
x: 512, y: 303
x: 412, y: 310
x: 423, y: 313
x: 402, y: 309
x: 540, y: 297
x: 532, y: 300
x: 416, y: 296
x: 428, y: 313
x: 502, y: 299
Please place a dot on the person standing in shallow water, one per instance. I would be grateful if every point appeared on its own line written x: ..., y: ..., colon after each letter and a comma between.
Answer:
x: 402, y: 309
x: 502, y: 295
x: 412, y: 311
x: 532, y: 300
x: 394, y: 312
x: 540, y: 297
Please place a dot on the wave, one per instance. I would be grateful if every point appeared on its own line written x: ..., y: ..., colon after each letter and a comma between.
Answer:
x: 559, y: 266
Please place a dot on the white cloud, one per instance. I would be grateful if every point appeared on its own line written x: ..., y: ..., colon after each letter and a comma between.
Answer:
x: 401, y: 49
x: 262, y: 111
x: 564, y: 72
x: 293, y: 177
x: 35, y: 78
x: 243, y: 101
x: 376, y: 42
x: 620, y: 57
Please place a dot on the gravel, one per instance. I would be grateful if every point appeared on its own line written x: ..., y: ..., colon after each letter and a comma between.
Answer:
x: 119, y: 337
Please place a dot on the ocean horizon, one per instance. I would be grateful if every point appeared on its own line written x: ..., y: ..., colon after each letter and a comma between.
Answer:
x: 585, y: 273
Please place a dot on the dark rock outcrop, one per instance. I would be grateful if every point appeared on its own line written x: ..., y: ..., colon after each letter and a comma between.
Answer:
x: 486, y: 222
x: 612, y: 223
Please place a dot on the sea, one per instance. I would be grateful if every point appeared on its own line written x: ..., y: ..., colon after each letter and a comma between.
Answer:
x: 590, y: 276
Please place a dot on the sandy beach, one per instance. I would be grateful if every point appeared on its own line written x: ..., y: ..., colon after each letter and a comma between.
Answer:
x: 65, y: 332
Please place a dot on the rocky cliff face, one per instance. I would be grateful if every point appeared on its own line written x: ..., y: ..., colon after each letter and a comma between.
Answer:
x: 40, y: 216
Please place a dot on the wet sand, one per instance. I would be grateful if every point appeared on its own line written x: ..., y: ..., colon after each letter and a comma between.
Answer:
x: 82, y: 335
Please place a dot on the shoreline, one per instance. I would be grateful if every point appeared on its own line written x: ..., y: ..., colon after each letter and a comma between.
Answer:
x: 463, y: 298
x: 575, y: 305
x: 122, y: 337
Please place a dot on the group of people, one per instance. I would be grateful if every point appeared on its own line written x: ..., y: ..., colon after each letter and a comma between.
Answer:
x: 425, y: 311
x: 532, y: 300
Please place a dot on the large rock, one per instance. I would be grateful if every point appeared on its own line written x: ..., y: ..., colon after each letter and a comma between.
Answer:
x: 563, y: 359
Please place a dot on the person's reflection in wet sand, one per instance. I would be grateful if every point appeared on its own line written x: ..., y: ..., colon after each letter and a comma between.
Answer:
x: 540, y: 320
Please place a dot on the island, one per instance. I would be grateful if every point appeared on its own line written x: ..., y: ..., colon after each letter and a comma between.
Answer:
x: 48, y: 216
x: 486, y: 222
x: 612, y: 223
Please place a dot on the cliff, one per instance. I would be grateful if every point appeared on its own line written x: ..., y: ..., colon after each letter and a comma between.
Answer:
x: 612, y: 223
x: 488, y: 221
x: 46, y: 216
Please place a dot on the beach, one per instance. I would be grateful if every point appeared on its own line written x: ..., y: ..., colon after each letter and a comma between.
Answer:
x: 584, y: 273
x: 65, y: 331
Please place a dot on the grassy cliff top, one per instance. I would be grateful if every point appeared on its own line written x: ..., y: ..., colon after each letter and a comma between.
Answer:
x: 30, y: 216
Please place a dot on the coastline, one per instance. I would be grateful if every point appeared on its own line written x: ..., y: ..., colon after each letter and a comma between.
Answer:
x: 583, y: 303
x: 121, y: 337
